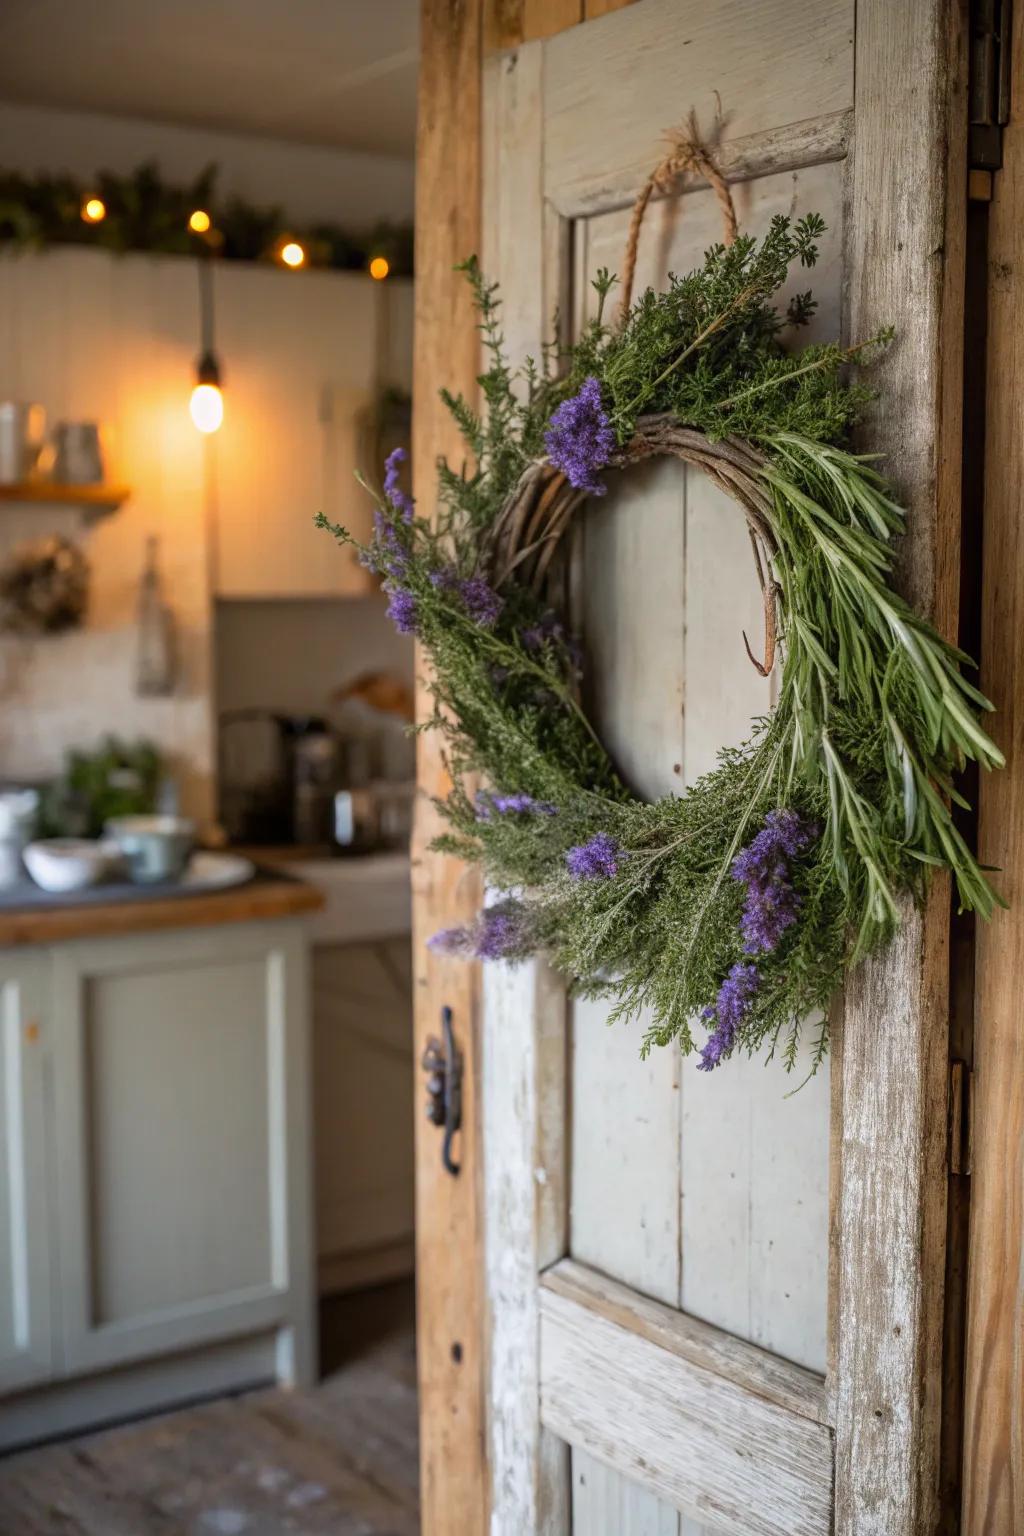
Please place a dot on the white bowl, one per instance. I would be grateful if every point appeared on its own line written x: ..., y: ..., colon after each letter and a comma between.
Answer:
x: 61, y: 864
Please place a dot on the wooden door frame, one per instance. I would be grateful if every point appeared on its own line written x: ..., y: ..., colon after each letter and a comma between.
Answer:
x: 883, y: 1396
x: 993, y: 1463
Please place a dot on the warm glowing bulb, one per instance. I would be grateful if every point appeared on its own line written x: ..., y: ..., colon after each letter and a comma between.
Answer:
x: 207, y: 407
x: 379, y: 267
x: 93, y: 209
x: 199, y: 222
x: 292, y: 254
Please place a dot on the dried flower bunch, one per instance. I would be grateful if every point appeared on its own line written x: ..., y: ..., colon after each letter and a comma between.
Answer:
x: 730, y: 914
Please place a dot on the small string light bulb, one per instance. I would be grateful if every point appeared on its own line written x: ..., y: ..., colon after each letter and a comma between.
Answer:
x: 206, y: 406
x: 94, y: 210
x: 292, y: 254
x: 199, y: 222
x: 379, y: 268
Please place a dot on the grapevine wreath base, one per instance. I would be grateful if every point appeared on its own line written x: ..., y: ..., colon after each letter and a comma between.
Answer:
x: 728, y: 915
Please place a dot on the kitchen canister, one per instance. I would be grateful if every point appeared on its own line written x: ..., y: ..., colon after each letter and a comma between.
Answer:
x: 22, y: 429
x: 79, y: 459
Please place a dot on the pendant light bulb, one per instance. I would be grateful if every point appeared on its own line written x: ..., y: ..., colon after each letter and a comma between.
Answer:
x: 207, y: 403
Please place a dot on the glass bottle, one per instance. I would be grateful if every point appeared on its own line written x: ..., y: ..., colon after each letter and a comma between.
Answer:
x: 155, y: 673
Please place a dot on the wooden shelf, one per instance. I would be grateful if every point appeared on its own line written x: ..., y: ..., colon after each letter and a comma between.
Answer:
x: 50, y: 493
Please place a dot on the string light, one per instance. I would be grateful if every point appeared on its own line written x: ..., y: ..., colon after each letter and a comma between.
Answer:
x: 199, y: 222
x: 94, y: 210
x: 379, y: 268
x: 206, y: 407
x: 292, y: 254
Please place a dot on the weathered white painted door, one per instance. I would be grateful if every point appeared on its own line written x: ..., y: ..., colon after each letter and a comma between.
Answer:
x: 676, y: 1345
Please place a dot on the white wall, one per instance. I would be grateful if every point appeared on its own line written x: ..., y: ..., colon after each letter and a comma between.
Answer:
x: 346, y: 187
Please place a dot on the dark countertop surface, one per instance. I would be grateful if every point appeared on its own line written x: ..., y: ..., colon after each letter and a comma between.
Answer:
x: 29, y: 915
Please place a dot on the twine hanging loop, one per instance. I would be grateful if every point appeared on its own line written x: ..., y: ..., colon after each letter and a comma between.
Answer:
x: 688, y: 155
x: 538, y: 512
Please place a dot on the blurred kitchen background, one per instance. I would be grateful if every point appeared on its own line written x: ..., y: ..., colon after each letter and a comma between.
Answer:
x: 206, y: 298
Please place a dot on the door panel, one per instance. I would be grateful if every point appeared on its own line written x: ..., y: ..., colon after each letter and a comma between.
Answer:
x: 26, y: 1350
x: 612, y: 89
x: 181, y: 1209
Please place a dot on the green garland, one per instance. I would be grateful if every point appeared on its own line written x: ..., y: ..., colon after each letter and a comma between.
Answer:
x: 144, y: 213
x: 727, y: 916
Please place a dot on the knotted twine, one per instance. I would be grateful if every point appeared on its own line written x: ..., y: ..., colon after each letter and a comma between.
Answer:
x: 538, y: 511
x: 688, y: 155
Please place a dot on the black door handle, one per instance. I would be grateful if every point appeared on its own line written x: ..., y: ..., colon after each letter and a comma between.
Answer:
x: 443, y: 1060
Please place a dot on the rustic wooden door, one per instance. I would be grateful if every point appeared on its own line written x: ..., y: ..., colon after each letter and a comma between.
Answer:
x: 707, y: 1307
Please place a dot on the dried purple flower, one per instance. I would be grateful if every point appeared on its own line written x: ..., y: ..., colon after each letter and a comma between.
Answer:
x: 735, y: 996
x: 580, y: 440
x: 548, y: 628
x: 386, y: 555
x: 444, y: 579
x: 598, y: 859
x: 501, y: 932
x: 488, y: 805
x: 393, y: 491
x: 481, y: 601
x: 453, y: 941
x: 772, y: 905
x: 402, y: 612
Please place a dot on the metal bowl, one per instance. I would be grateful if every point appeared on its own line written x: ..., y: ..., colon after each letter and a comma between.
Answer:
x: 155, y: 847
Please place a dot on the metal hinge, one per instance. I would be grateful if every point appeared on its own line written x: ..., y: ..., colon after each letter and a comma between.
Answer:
x: 989, y: 87
x: 961, y: 1081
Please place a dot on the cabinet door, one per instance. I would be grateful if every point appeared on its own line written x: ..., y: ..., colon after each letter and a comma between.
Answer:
x: 25, y: 1302
x: 363, y: 1112
x: 182, y: 1142
x: 301, y: 373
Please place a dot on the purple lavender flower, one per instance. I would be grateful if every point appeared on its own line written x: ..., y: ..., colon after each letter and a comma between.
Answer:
x: 731, y: 1007
x: 772, y: 905
x: 598, y: 859
x: 580, y: 440
x: 488, y: 805
x: 386, y: 555
x: 453, y: 941
x: 548, y: 628
x: 393, y: 491
x: 444, y: 579
x: 481, y: 601
x: 402, y: 612
x: 501, y: 932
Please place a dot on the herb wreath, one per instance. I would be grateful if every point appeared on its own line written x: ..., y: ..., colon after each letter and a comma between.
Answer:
x: 728, y: 915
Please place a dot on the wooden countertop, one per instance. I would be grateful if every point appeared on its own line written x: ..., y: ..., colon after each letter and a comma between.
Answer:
x: 269, y: 895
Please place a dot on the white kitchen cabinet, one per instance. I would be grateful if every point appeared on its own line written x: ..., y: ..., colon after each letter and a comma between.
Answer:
x: 363, y: 1072
x: 26, y: 1353
x: 363, y: 1112
x: 177, y: 1172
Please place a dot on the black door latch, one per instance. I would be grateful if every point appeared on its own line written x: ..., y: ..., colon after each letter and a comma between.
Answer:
x: 443, y: 1060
